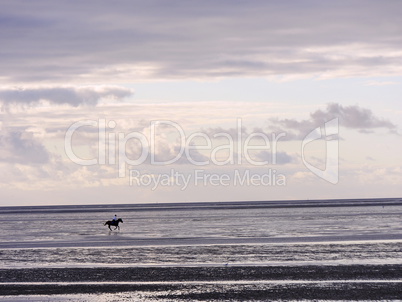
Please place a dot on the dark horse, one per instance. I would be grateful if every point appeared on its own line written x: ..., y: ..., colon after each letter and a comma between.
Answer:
x: 114, y: 223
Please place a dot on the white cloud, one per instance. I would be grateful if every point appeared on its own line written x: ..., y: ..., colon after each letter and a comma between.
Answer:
x: 369, y: 175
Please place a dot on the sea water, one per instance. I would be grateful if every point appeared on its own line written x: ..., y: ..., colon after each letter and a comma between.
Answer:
x: 245, y: 233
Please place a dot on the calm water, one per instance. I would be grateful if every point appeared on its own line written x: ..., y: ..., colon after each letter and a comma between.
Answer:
x: 204, y: 234
x: 222, y: 234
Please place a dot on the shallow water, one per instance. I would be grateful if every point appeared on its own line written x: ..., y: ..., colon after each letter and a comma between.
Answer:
x: 218, y: 235
x: 202, y: 234
x: 75, y: 224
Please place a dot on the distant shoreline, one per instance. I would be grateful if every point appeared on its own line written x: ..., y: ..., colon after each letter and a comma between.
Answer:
x: 204, y: 205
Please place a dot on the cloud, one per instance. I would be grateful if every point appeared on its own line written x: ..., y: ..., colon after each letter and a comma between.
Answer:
x: 73, y: 96
x: 225, y: 134
x: 21, y: 147
x: 352, y: 117
x: 279, y: 157
x: 57, y: 43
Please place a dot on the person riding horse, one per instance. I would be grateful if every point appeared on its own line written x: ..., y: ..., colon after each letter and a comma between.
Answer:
x: 114, y: 222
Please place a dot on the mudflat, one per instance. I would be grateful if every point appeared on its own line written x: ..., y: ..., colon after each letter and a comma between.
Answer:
x: 343, y: 282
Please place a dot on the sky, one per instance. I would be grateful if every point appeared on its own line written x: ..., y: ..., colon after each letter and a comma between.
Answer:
x: 188, y: 101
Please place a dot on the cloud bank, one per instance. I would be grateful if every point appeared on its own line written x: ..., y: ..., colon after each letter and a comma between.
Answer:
x: 66, y: 42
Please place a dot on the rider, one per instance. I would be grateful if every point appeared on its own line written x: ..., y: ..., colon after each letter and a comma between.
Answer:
x: 114, y: 219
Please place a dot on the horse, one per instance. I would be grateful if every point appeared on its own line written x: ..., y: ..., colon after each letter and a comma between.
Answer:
x: 114, y: 223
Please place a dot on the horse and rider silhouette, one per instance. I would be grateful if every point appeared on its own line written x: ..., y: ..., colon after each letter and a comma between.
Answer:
x: 114, y: 223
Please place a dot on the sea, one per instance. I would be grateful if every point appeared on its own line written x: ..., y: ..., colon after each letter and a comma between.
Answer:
x: 249, y: 233
x: 240, y: 233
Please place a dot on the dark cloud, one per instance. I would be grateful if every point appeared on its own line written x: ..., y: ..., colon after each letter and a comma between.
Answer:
x: 55, y: 41
x: 73, y: 96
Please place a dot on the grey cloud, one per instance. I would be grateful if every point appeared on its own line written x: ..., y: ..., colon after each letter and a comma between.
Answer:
x: 188, y: 157
x: 352, y: 117
x: 194, y: 156
x: 73, y: 96
x: 280, y: 157
x: 46, y: 41
x: 21, y: 147
x: 233, y: 133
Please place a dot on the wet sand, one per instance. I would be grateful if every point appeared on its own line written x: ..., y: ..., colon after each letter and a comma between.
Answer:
x: 234, y: 283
